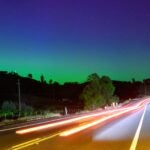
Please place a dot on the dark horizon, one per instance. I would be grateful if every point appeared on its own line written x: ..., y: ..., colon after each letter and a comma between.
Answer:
x: 30, y: 75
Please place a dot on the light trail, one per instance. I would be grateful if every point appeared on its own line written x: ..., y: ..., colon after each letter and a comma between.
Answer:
x: 81, y: 118
x: 32, y: 129
x: 78, y: 129
x: 140, y: 106
x: 112, y: 114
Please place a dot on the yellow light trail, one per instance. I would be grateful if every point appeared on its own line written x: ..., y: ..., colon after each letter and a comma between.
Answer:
x: 41, y: 127
x: 83, y: 127
x: 114, y: 113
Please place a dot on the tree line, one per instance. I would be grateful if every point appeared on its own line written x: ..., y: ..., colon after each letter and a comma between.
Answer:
x: 38, y: 95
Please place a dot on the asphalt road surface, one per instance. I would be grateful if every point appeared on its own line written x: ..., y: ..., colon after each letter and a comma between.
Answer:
x: 124, y: 128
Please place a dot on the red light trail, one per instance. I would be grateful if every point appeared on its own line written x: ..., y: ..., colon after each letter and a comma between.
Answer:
x: 104, y: 116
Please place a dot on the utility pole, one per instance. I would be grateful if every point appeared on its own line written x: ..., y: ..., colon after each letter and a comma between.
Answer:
x: 19, y: 99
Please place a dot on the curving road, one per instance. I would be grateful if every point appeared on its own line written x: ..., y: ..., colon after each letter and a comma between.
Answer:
x: 124, y: 128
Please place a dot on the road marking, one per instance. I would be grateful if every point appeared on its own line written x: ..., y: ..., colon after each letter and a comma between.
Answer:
x: 32, y: 142
x: 26, y: 143
x: 38, y: 140
x: 137, y: 134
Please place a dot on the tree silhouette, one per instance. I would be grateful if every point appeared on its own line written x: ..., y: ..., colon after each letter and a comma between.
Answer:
x: 50, y: 81
x: 98, y: 92
x: 30, y: 76
x: 42, y: 79
x: 107, y: 89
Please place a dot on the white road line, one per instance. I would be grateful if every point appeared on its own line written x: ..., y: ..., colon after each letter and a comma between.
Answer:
x: 137, y: 134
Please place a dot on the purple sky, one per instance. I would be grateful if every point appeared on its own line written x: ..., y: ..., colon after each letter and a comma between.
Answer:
x: 66, y: 40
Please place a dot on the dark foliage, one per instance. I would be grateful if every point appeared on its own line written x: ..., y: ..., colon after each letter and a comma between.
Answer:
x: 41, y: 95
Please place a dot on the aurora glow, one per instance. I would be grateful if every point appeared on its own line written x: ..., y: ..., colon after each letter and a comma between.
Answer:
x: 66, y: 40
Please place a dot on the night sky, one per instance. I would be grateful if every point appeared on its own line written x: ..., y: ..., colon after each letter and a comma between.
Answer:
x: 66, y: 40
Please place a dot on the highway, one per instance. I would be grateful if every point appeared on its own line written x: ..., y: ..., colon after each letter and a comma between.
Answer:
x: 121, y: 128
